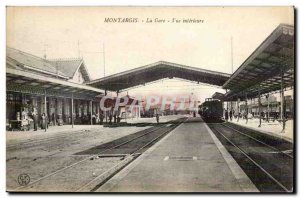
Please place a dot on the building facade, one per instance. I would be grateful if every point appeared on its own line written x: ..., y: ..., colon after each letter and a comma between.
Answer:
x: 51, y: 90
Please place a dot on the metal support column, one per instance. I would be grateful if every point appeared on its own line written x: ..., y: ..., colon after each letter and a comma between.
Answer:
x: 116, y: 112
x: 91, y: 109
x: 125, y: 115
x: 72, y: 110
x: 231, y: 109
x: 226, y: 106
x: 105, y: 93
x: 259, y: 108
x: 246, y: 108
x: 268, y: 107
x: 139, y: 112
x: 45, y: 110
x: 100, y: 112
x: 238, y: 108
x: 282, y: 117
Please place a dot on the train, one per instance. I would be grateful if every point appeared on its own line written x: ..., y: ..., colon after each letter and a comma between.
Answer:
x: 211, y: 110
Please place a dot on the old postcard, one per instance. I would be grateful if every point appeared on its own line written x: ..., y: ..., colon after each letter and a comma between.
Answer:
x: 150, y: 99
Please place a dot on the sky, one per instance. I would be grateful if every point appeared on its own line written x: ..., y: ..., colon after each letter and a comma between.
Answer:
x: 68, y: 32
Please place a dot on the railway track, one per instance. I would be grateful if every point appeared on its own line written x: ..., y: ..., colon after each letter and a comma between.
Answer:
x: 269, y: 166
x: 131, y: 145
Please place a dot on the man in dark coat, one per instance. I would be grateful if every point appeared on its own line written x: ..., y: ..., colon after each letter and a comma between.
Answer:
x: 226, y: 115
x: 115, y: 117
x: 110, y: 119
x: 101, y: 118
x: 35, y: 119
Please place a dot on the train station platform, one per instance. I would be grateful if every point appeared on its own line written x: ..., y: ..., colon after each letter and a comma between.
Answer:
x: 162, y: 119
x: 52, y: 131
x: 188, y: 159
x: 270, y: 128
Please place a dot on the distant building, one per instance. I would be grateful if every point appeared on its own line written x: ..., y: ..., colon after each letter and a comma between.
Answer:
x: 252, y: 104
x: 274, y: 106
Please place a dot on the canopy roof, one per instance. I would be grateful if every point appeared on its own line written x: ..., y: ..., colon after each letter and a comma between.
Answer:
x: 156, y: 71
x: 261, y: 71
x: 27, y: 82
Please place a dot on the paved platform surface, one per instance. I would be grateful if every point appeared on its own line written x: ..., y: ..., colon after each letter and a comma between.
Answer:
x: 51, y: 131
x: 189, y: 159
x: 162, y: 119
x: 271, y: 128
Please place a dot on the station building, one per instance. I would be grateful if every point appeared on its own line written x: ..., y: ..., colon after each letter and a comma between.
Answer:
x: 49, y: 87
x: 270, y: 104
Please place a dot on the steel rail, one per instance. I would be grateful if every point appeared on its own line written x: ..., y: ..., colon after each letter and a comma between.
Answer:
x: 136, y: 151
x: 254, y: 162
x: 85, y: 159
x: 253, y: 138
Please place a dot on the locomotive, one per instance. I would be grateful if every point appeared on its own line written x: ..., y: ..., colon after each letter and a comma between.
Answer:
x: 211, y: 110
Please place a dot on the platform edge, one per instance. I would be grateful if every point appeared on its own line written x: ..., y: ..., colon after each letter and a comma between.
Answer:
x: 115, y: 179
x: 243, y: 180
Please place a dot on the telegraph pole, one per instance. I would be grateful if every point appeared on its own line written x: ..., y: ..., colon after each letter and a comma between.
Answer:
x: 45, y: 51
x: 231, y: 39
x: 56, y: 69
x: 231, y: 70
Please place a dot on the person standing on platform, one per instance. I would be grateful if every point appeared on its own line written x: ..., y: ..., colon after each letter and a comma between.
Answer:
x: 44, y: 121
x: 24, y: 117
x: 157, y: 118
x: 101, y: 118
x: 226, y: 115
x: 110, y: 118
x: 245, y: 115
x: 34, y: 115
x: 230, y: 115
x: 115, y: 117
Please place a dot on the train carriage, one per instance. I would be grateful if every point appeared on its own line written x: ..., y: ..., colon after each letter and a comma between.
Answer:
x: 211, y: 110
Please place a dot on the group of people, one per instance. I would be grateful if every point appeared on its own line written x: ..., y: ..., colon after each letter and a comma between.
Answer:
x: 117, y: 119
x: 96, y: 118
x: 228, y: 115
x: 44, y: 119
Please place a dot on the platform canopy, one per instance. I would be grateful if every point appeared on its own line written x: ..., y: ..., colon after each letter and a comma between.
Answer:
x: 28, y: 82
x: 261, y: 71
x: 159, y: 70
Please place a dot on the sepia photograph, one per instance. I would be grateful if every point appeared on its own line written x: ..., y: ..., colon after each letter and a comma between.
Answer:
x: 150, y: 99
